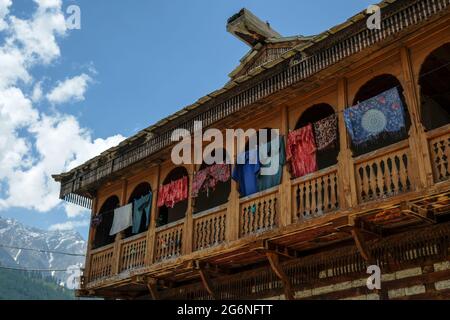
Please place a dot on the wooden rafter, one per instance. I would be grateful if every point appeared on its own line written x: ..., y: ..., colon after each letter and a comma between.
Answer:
x: 207, y: 283
x: 411, y: 209
x: 265, y: 247
x: 152, y: 285
x: 212, y: 269
x: 361, y: 245
x: 274, y: 261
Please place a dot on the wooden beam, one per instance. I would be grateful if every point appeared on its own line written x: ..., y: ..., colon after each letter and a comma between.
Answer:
x: 361, y: 245
x: 417, y: 212
x: 274, y: 261
x: 152, y: 286
x: 280, y: 250
x: 365, y: 227
x: 207, y: 283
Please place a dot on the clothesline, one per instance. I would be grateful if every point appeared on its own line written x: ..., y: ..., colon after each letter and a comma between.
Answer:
x: 401, y: 87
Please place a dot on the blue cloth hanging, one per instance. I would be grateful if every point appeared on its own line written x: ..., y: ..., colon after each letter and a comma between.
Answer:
x: 141, y: 206
x: 381, y: 114
x: 246, y: 172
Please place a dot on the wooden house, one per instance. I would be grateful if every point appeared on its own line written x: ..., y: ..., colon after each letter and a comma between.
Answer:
x: 311, y: 237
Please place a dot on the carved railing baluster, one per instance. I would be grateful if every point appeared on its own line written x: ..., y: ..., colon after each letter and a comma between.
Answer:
x: 315, y: 195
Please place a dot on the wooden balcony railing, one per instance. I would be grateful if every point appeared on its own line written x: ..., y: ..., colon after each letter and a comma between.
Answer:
x: 380, y: 175
x: 259, y: 213
x: 168, y: 241
x: 315, y: 195
x: 132, y: 252
x: 384, y: 173
x: 439, y: 143
x: 101, y: 265
x: 209, y: 228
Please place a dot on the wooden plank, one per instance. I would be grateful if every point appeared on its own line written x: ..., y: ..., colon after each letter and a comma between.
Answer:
x: 152, y: 288
x: 207, y: 283
x: 276, y: 267
x: 361, y: 245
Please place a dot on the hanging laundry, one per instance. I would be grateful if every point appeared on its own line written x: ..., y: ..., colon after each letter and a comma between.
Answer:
x: 325, y: 132
x: 208, y: 178
x: 381, y: 114
x: 217, y: 173
x: 140, y: 207
x: 246, y: 171
x: 171, y: 194
x: 301, y: 151
x: 163, y: 193
x: 96, y: 220
x: 269, y: 181
x: 123, y: 219
x: 198, y: 181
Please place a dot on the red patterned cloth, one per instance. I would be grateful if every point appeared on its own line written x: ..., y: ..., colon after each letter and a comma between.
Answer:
x: 170, y: 194
x: 301, y: 151
x: 208, y: 178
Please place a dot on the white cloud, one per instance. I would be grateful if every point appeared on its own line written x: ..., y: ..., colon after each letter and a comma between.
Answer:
x: 35, y: 144
x: 4, y: 10
x: 74, y: 211
x: 70, y: 90
x: 69, y: 225
x: 37, y: 36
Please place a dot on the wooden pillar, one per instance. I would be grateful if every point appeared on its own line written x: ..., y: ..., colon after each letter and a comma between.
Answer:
x: 151, y: 232
x: 123, y: 199
x: 285, y: 187
x: 116, y: 254
x: 421, y: 167
x: 188, y: 221
x: 91, y: 237
x: 233, y: 214
x: 119, y: 236
x: 346, y: 173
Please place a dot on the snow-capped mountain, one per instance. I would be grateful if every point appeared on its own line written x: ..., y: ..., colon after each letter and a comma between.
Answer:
x: 15, y: 234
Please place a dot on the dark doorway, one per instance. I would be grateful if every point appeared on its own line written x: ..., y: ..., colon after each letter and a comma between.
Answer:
x: 325, y: 158
x: 372, y: 89
x: 141, y: 190
x: 168, y: 215
x: 435, y: 88
x: 102, y: 237
x: 213, y: 198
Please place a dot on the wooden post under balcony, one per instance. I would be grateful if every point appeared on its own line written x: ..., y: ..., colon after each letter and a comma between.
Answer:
x: 91, y: 237
x: 420, y: 155
x: 346, y: 173
x: 119, y: 236
x: 188, y: 221
x: 285, y: 190
x: 116, y: 254
x: 151, y: 232
x: 232, y: 220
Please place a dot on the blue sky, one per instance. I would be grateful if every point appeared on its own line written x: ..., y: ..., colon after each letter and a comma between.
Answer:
x: 145, y: 60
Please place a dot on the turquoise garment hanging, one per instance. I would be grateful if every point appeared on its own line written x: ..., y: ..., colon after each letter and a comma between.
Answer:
x: 141, y: 206
x: 269, y: 181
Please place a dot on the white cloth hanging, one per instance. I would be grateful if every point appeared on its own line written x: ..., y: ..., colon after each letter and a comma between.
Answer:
x: 123, y: 219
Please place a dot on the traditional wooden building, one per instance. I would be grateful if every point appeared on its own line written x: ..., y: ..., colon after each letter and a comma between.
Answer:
x: 310, y: 237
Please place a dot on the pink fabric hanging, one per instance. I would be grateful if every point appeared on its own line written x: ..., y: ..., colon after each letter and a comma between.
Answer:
x: 208, y: 178
x: 198, y: 181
